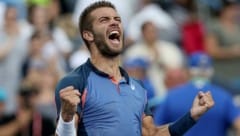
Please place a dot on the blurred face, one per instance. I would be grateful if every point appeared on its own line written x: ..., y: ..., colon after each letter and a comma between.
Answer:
x: 36, y: 46
x: 39, y: 16
x: 54, y: 9
x: 11, y: 14
x: 175, y: 77
x: 232, y: 11
x: 150, y: 33
x: 107, y: 31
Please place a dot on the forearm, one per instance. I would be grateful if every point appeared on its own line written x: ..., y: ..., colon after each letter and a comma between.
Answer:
x: 182, y: 125
x: 149, y: 129
x: 9, y: 129
x: 222, y: 53
x: 177, y: 128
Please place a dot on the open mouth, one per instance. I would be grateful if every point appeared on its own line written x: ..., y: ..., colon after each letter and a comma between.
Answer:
x: 114, y: 37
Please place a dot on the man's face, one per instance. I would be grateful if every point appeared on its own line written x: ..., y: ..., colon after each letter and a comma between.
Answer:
x: 108, y: 32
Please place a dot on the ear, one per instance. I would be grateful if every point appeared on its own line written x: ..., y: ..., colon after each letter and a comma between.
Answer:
x: 87, y: 35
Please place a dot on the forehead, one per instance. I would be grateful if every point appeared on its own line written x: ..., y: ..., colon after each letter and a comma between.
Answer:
x: 104, y: 11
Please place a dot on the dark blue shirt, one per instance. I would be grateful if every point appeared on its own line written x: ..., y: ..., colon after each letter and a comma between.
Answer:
x: 107, y: 108
x: 213, y: 123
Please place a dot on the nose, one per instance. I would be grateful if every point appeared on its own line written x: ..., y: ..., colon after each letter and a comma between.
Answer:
x: 114, y: 22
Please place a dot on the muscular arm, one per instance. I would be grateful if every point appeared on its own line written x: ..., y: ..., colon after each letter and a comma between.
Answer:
x: 149, y: 129
x: 70, y: 98
x: 201, y: 104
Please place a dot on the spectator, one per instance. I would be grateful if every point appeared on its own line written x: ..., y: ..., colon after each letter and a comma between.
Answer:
x: 137, y: 68
x: 160, y: 54
x: 13, y: 48
x: 79, y: 57
x: 217, y: 120
x: 223, y: 44
x: 175, y: 77
x: 57, y: 45
x: 153, y: 13
x: 27, y: 120
x: 193, y: 33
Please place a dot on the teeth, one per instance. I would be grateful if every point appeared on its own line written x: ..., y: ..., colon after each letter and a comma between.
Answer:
x: 114, y: 32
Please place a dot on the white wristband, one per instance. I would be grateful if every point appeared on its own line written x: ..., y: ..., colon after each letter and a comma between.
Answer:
x: 65, y: 128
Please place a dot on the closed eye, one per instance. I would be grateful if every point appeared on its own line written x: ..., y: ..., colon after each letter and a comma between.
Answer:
x: 104, y: 19
x: 118, y: 19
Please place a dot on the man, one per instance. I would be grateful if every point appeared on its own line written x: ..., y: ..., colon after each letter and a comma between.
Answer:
x: 214, y: 123
x: 112, y: 103
x: 161, y: 55
x: 223, y: 45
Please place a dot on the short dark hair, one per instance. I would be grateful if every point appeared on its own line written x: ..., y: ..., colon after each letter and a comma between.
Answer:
x: 85, y: 20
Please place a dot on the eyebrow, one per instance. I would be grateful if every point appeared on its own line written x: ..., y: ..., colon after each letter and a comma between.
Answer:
x: 115, y: 17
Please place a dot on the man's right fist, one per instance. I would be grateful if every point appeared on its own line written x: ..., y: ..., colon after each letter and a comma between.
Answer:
x: 70, y: 98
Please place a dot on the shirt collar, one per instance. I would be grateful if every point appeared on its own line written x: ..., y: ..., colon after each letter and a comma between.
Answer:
x: 101, y: 73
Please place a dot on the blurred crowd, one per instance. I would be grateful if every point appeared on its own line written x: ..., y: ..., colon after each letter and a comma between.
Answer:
x: 175, y: 47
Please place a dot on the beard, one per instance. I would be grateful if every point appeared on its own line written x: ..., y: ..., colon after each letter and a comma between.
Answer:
x: 104, y: 48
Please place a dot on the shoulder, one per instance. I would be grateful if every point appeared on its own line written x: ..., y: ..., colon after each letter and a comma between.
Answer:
x: 220, y: 92
x: 77, y: 78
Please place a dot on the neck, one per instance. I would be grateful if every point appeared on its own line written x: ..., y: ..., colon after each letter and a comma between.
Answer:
x: 109, y: 66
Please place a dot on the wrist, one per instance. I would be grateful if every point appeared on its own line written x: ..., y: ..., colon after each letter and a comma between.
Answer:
x: 194, y: 115
x: 182, y: 125
x: 67, y: 117
x: 66, y: 128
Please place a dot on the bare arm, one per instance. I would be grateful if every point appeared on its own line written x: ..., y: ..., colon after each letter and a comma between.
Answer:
x: 216, y: 51
x: 236, y: 126
x: 70, y: 98
x: 10, y: 128
x: 201, y: 104
x: 149, y: 129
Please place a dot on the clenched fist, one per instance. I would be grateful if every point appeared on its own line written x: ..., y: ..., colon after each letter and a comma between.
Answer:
x: 70, y: 98
x: 201, y: 104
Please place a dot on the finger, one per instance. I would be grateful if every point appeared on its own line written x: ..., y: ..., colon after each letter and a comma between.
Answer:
x: 66, y: 89
x: 69, y: 92
x: 208, y: 93
x: 71, y: 101
x: 208, y: 100
x: 70, y: 96
x: 202, y: 101
x: 77, y: 92
x: 200, y: 94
